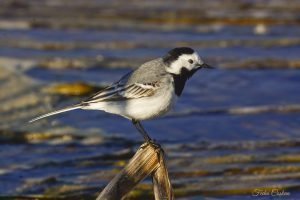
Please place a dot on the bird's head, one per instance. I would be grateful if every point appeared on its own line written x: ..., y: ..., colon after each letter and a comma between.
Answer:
x: 183, y: 60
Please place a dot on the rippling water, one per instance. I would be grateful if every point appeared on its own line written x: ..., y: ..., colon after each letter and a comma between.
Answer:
x: 235, y: 130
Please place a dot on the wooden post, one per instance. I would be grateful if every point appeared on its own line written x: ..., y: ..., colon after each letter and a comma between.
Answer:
x: 162, y: 187
x: 148, y: 160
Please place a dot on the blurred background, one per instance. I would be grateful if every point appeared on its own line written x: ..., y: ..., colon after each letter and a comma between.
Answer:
x: 234, y: 132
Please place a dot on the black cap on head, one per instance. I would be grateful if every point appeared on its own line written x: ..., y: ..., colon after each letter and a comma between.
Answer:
x: 173, y: 54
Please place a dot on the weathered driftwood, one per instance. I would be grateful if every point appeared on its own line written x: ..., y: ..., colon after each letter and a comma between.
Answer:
x: 148, y: 160
x: 162, y: 187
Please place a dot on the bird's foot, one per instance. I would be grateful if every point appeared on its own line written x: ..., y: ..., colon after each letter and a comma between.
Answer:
x: 154, y: 144
x: 157, y: 147
x: 151, y: 142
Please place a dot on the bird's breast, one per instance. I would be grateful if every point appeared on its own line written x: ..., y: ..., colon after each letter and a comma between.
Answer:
x: 151, y: 107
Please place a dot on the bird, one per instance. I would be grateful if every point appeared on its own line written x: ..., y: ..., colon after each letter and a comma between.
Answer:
x: 147, y: 92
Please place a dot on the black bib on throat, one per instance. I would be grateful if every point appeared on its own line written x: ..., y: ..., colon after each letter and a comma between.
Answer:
x: 180, y: 79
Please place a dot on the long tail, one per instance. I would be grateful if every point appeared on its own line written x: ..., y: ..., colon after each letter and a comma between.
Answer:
x: 57, y: 112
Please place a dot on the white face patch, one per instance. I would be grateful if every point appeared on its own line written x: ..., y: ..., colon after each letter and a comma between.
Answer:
x: 184, y: 61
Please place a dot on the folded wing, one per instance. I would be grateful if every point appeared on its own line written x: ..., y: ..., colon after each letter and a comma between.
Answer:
x: 118, y: 92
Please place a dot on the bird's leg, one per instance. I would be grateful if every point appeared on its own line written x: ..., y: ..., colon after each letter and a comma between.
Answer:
x: 141, y: 129
x: 147, y: 138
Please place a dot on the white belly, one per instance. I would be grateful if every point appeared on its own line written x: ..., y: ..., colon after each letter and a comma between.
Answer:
x: 141, y: 108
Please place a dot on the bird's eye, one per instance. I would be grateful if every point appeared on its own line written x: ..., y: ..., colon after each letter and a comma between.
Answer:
x: 191, y: 61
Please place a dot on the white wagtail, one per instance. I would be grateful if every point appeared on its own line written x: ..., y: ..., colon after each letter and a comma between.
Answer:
x: 147, y: 92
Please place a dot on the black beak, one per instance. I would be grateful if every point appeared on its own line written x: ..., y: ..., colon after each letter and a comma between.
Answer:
x: 204, y: 65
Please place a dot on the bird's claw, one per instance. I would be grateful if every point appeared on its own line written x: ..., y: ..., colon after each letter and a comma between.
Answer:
x: 155, y: 145
x: 151, y: 142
